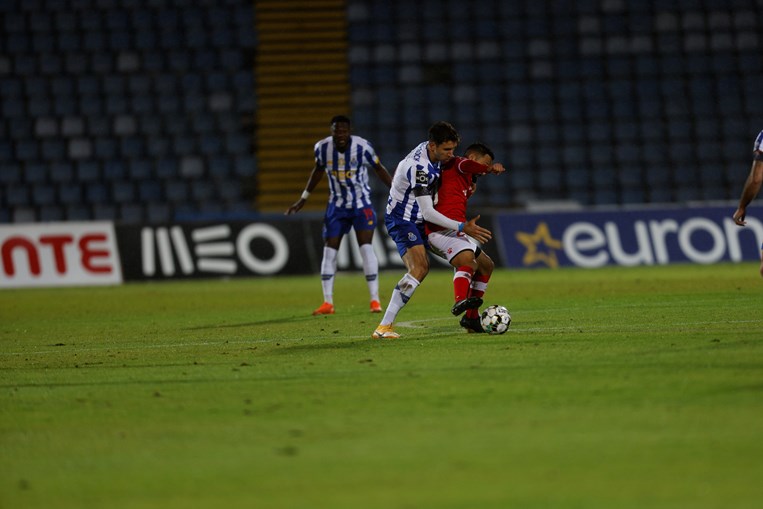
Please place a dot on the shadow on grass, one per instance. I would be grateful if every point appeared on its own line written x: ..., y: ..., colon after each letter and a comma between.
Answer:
x: 281, y: 319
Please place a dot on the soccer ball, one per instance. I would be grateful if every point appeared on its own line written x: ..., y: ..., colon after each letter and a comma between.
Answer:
x: 495, y: 319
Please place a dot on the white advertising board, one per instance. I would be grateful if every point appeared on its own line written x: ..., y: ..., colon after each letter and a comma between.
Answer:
x: 59, y: 254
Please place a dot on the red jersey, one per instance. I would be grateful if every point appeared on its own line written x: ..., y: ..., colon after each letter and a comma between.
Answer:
x: 455, y: 188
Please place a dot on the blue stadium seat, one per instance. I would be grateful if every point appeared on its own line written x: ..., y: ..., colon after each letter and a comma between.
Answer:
x: 51, y: 212
x: 177, y: 191
x: 104, y: 212
x: 6, y: 153
x: 70, y: 193
x: 77, y: 212
x: 105, y: 148
x: 229, y: 191
x: 158, y: 213
x: 43, y: 194
x: 88, y: 171
x: 122, y: 191
x: 150, y: 191
x: 96, y: 193
x: 244, y: 165
x: 62, y: 171
x: 201, y: 191
x: 139, y: 169
x: 210, y: 145
x: 114, y: 169
x: 167, y: 168
x: 17, y: 194
x: 221, y: 167
x: 131, y: 213
x: 237, y: 144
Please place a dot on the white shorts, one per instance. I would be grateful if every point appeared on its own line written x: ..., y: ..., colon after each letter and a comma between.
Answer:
x: 448, y: 243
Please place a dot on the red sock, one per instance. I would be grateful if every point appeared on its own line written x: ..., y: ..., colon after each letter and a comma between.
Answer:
x: 478, y: 287
x: 462, y: 279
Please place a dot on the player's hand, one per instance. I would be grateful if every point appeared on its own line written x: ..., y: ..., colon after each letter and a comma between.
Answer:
x: 475, y: 231
x: 496, y: 169
x: 739, y: 216
x: 295, y: 208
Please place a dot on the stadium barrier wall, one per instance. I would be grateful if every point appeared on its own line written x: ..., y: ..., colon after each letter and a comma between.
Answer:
x: 101, y: 253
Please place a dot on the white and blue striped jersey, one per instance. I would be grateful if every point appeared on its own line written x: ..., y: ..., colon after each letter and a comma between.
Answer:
x: 758, y: 147
x: 413, y: 172
x: 348, y: 171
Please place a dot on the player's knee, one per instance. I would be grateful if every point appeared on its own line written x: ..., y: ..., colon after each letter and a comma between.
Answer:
x: 486, y: 265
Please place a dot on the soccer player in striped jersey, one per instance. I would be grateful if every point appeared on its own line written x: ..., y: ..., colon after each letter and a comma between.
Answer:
x: 408, y: 206
x: 473, y: 267
x: 346, y: 159
x: 752, y: 187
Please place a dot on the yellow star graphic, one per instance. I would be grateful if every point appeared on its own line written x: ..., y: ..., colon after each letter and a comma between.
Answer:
x: 531, y: 241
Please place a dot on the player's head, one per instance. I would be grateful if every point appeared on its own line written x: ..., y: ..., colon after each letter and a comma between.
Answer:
x: 443, y: 140
x: 340, y: 131
x: 481, y: 153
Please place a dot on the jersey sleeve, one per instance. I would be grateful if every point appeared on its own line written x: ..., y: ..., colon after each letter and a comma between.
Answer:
x: 419, y: 177
x: 465, y: 165
x: 320, y: 155
x: 370, y: 157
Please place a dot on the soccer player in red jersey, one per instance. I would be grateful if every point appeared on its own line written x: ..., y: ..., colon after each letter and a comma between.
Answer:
x: 473, y: 266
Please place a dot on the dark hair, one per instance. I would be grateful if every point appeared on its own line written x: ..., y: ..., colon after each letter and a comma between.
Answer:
x: 440, y: 132
x: 340, y: 118
x: 479, y: 148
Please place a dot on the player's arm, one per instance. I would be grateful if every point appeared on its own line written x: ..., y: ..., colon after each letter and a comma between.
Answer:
x: 470, y: 227
x: 751, y: 188
x: 475, y: 168
x: 382, y: 173
x: 315, y: 176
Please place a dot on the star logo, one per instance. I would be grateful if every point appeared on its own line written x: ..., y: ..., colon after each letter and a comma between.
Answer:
x: 531, y: 242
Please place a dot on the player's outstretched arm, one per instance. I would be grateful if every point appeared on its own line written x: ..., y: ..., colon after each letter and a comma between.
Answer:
x: 496, y: 169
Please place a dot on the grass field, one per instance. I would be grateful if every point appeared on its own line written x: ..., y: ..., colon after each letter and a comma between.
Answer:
x: 615, y: 388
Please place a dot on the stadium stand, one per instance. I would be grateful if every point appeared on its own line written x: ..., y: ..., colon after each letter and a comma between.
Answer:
x: 111, y: 109
x: 146, y: 110
x: 601, y: 102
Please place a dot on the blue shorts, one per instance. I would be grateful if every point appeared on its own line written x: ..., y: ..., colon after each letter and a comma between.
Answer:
x: 338, y: 221
x: 406, y: 234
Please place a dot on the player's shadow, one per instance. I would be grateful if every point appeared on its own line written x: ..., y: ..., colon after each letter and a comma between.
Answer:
x: 281, y: 319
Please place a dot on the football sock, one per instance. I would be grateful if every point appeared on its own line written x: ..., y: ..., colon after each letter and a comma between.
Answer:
x: 478, y: 287
x: 371, y: 269
x: 400, y: 297
x: 328, y: 270
x: 461, y: 281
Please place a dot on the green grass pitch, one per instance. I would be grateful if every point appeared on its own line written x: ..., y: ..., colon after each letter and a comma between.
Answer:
x: 614, y: 388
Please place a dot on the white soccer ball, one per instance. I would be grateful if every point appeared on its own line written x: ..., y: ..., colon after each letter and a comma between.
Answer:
x: 495, y: 319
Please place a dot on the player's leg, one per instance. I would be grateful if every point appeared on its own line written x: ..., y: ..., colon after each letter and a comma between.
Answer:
x: 328, y: 271
x: 365, y: 225
x: 460, y: 253
x: 485, y: 266
x: 465, y: 266
x: 417, y: 263
x: 411, y: 244
x: 335, y: 225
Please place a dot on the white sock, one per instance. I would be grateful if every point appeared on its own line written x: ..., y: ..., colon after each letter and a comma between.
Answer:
x: 371, y: 269
x: 328, y: 270
x: 400, y: 297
